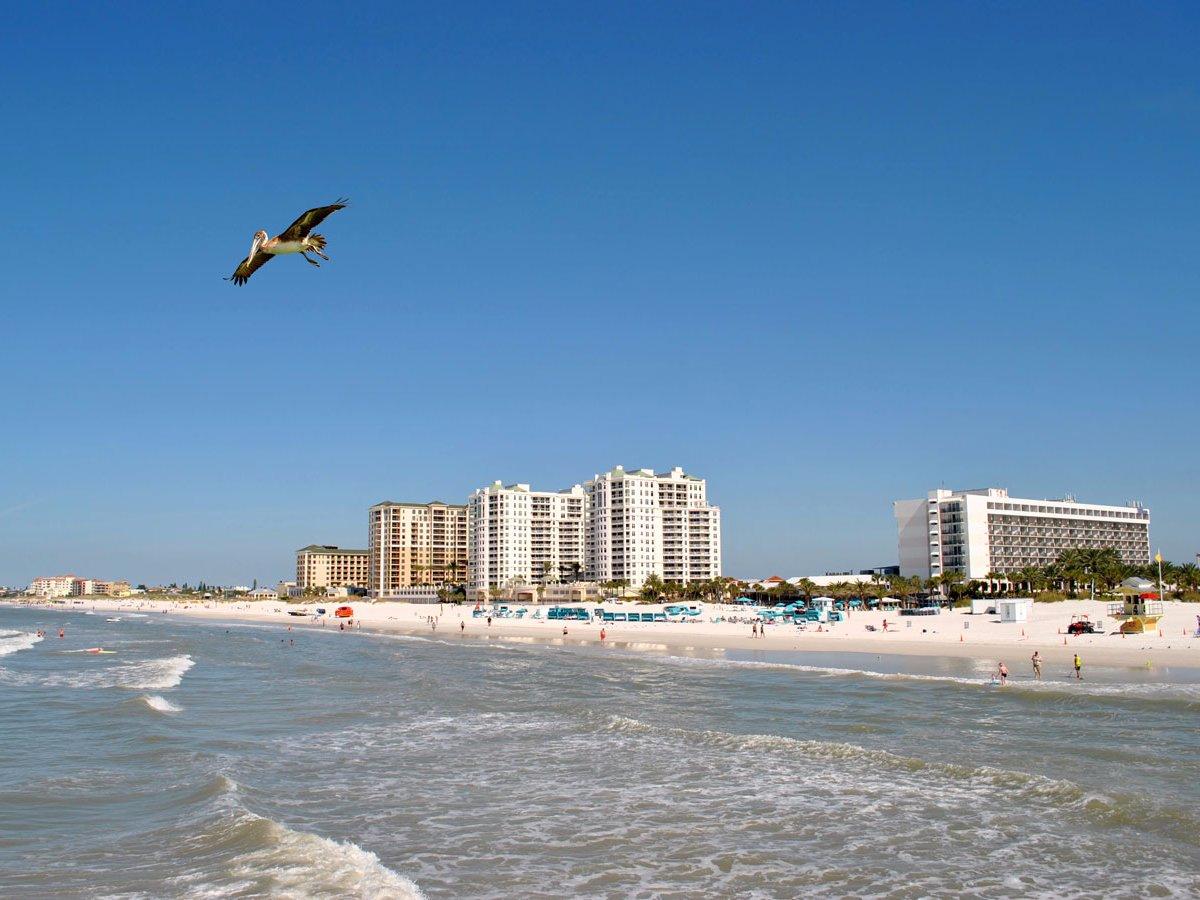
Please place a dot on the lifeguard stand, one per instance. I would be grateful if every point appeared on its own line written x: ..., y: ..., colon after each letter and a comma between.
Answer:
x: 1138, y: 614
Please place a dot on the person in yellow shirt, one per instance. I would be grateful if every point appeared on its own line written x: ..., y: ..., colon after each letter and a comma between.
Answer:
x: 1078, y: 668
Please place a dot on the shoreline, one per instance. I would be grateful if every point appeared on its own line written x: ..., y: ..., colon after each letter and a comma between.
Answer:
x: 949, y: 635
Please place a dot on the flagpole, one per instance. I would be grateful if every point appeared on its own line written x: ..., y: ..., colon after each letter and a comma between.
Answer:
x: 1158, y: 557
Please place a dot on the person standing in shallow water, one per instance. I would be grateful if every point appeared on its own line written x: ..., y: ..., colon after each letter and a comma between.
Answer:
x: 1036, y: 659
x: 1003, y: 671
x: 1078, y: 668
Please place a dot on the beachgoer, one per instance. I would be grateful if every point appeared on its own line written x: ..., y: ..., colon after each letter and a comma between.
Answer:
x: 1036, y: 659
x: 885, y: 624
x: 564, y: 631
x: 462, y: 626
x: 1078, y: 667
x: 489, y: 621
x: 754, y: 629
x: 62, y: 632
x: 341, y: 626
x: 603, y: 634
x: 1003, y: 673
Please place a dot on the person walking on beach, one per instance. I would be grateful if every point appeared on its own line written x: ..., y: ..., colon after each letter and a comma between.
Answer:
x: 603, y: 634
x: 489, y: 621
x: 1078, y: 668
x: 754, y: 629
x: 1003, y: 673
x: 885, y: 624
x: 462, y: 626
x: 1036, y: 659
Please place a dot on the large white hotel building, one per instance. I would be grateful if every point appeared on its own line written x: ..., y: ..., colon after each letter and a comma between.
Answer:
x: 520, y: 536
x: 980, y: 531
x: 619, y: 526
x: 640, y: 524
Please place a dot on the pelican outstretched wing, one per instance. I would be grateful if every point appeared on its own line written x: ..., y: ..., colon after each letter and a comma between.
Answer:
x: 248, y: 267
x: 310, y: 220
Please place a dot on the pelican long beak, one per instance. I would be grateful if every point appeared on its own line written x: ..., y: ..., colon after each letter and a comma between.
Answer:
x: 255, y: 244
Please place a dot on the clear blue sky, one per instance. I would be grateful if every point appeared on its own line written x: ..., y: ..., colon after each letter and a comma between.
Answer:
x: 826, y: 255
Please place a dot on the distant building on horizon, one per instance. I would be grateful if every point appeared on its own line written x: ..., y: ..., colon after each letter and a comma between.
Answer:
x: 320, y: 566
x: 73, y: 586
x: 414, y: 544
x: 984, y: 530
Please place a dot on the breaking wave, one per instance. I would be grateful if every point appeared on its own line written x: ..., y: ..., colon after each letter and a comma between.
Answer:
x: 146, y: 675
x: 160, y: 704
x: 249, y: 854
x: 14, y: 641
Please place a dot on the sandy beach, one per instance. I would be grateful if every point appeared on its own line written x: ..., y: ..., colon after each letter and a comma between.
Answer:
x: 949, y: 634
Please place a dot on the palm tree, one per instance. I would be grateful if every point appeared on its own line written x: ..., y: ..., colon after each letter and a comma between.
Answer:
x: 1030, y: 576
x: 807, y: 587
x: 951, y: 583
x: 652, y: 589
x: 995, y: 582
x: 1187, y: 576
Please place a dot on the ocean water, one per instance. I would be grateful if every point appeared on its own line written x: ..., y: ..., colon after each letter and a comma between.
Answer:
x: 225, y: 760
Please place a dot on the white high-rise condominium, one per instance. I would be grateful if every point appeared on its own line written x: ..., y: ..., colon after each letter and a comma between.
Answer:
x: 640, y: 523
x: 981, y: 531
x: 521, y: 536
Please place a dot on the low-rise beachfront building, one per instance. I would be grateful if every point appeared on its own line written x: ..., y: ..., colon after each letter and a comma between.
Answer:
x: 416, y: 543
x: 980, y: 531
x: 73, y: 586
x: 576, y: 592
x: 54, y: 586
x: 322, y: 566
x: 641, y: 523
x: 517, y: 535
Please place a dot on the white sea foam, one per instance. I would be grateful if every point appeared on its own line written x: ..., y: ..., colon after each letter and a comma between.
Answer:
x: 1104, y: 689
x: 160, y: 704
x: 144, y: 675
x: 301, y: 864
x: 13, y: 641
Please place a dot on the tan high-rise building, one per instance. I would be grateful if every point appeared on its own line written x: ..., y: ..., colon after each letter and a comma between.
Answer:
x: 416, y: 543
x: 326, y: 566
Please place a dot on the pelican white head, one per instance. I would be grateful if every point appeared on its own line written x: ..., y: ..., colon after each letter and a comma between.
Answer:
x: 260, y: 238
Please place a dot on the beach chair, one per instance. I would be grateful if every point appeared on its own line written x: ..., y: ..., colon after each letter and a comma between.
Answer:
x: 608, y: 617
x: 620, y: 617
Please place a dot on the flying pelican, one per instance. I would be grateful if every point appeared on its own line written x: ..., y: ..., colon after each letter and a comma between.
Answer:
x: 295, y: 239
